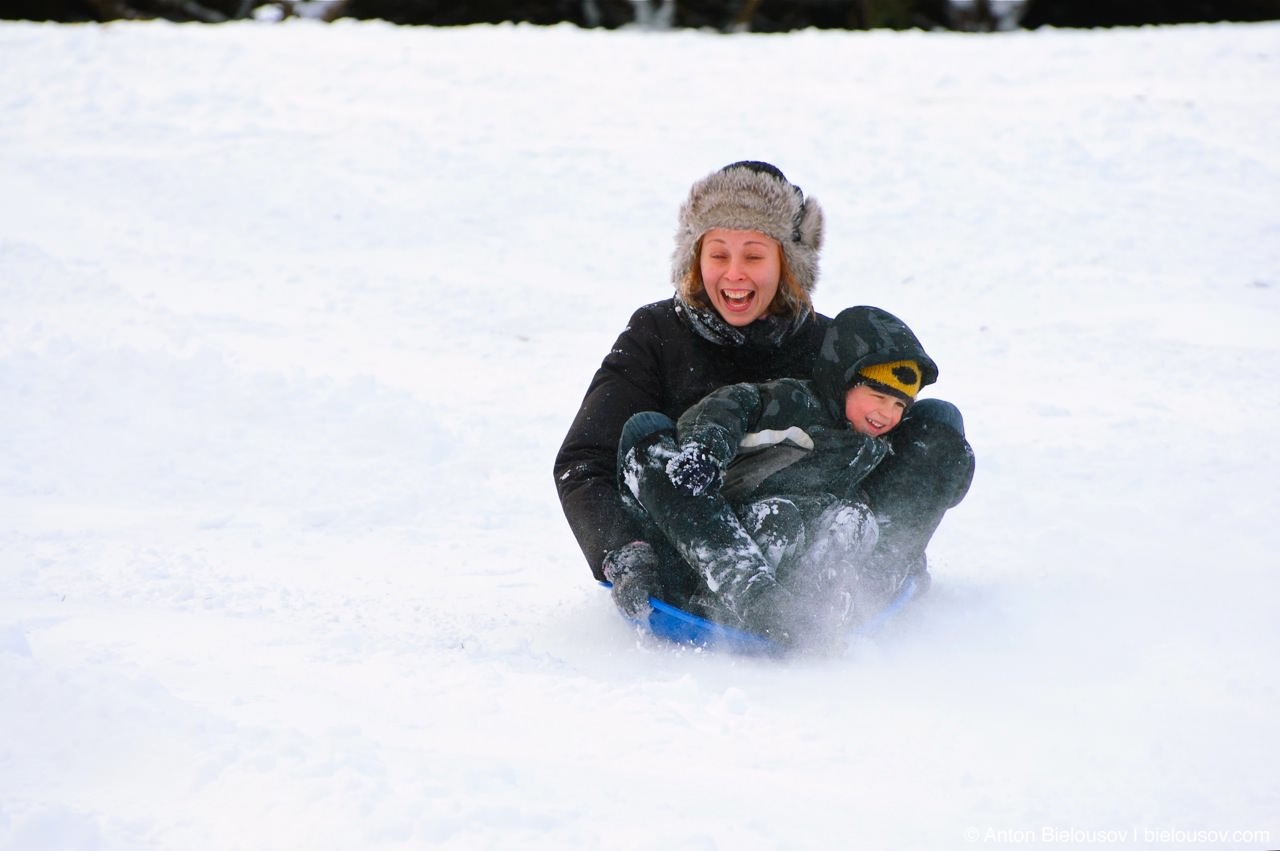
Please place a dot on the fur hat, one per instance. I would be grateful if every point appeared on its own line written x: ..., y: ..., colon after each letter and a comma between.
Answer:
x: 751, y: 195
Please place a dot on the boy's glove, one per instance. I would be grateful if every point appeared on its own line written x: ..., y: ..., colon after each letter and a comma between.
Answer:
x: 693, y: 470
x: 633, y: 570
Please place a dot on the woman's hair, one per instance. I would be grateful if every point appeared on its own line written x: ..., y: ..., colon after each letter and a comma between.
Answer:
x: 792, y: 300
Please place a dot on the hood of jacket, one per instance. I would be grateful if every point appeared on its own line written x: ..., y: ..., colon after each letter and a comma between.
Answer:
x: 859, y: 337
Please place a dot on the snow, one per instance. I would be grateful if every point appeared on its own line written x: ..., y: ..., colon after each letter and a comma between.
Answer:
x: 295, y: 316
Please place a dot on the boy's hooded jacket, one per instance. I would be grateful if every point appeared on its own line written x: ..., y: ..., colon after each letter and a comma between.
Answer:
x: 790, y: 436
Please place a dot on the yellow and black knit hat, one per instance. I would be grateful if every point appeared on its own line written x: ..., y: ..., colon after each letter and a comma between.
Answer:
x: 900, y: 377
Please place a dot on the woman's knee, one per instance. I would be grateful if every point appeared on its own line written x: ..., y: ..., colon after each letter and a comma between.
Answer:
x: 646, y: 446
x: 641, y: 426
x: 940, y: 411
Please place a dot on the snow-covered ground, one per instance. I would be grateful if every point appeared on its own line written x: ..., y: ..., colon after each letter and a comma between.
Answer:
x: 293, y: 319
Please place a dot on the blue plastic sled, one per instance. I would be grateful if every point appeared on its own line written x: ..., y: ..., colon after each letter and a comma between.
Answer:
x: 681, y: 627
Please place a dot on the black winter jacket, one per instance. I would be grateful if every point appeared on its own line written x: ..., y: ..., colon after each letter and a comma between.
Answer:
x: 659, y: 363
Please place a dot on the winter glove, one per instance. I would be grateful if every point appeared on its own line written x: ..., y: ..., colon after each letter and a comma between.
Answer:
x: 633, y: 570
x: 693, y: 470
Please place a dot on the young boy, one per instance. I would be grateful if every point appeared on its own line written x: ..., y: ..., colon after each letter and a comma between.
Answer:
x: 816, y: 436
x: 789, y: 458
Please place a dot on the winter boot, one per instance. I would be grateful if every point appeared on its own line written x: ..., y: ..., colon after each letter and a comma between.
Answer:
x: 918, y: 572
x: 767, y: 608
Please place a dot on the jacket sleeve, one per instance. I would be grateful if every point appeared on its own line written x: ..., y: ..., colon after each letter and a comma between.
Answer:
x: 720, y: 420
x: 628, y: 381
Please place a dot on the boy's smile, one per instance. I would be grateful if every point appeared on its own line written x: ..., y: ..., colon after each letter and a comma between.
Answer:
x: 872, y: 411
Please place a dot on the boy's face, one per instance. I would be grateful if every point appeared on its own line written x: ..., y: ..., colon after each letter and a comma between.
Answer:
x: 871, y: 411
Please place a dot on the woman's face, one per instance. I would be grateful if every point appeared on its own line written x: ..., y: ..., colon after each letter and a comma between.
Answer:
x: 740, y: 271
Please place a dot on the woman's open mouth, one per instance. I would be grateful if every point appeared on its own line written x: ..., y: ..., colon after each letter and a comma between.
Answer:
x: 738, y: 299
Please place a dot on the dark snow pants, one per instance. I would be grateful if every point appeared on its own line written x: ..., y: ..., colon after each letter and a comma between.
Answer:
x: 929, y: 472
x: 706, y: 554
x: 712, y: 549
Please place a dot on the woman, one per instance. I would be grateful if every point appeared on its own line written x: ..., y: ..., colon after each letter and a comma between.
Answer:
x: 744, y: 268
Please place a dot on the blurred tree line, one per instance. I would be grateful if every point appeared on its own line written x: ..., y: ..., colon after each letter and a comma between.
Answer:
x: 720, y: 15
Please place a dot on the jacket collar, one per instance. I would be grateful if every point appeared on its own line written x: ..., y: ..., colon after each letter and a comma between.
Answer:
x: 765, y: 332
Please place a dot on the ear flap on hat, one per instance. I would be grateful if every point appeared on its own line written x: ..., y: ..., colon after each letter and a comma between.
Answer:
x: 810, y: 227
